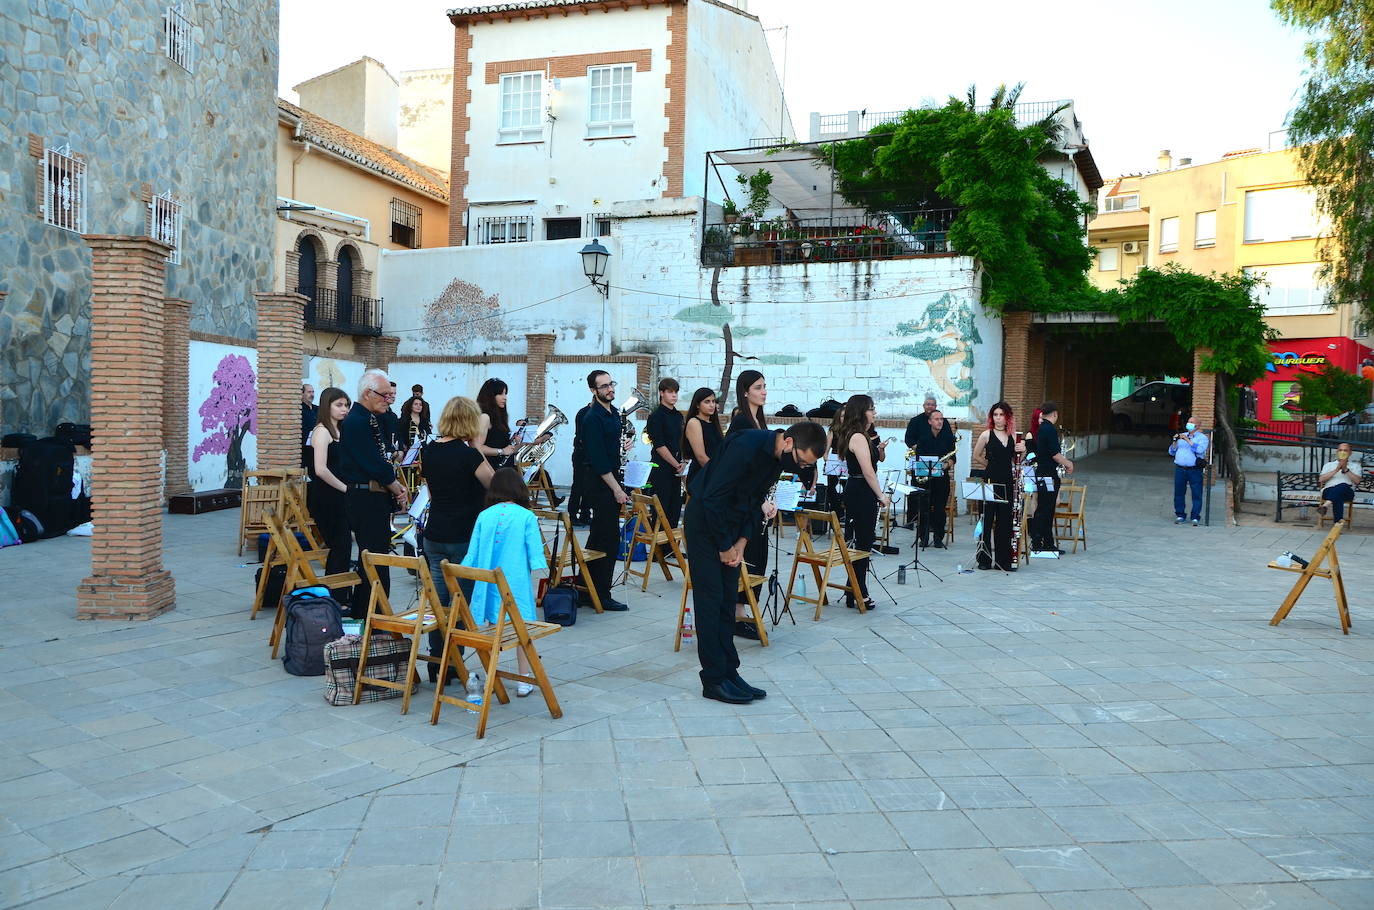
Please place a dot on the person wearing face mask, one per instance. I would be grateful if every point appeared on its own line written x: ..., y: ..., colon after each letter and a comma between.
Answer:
x: 1189, y: 450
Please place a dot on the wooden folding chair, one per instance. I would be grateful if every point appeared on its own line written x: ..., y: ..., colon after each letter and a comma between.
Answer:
x: 1326, y: 553
x: 569, y: 553
x: 653, y: 531
x: 510, y: 632
x: 300, y: 573
x: 1069, y: 515
x: 746, y: 587
x: 429, y: 615
x: 262, y: 490
x: 823, y: 562
x: 296, y: 519
x: 539, y: 485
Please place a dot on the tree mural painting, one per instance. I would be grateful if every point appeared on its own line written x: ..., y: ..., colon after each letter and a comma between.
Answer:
x: 944, y: 339
x: 462, y: 313
x: 229, y: 413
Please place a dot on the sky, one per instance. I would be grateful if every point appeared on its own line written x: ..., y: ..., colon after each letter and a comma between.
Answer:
x: 1197, y: 77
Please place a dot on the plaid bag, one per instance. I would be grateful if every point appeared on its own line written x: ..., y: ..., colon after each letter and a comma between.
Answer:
x: 386, y: 659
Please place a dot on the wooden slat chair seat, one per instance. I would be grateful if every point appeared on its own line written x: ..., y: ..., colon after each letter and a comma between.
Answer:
x: 823, y: 562
x: 653, y: 531
x: 510, y: 632
x: 1070, y: 515
x: 262, y: 490
x: 570, y: 554
x: 746, y: 587
x: 428, y: 615
x: 300, y: 573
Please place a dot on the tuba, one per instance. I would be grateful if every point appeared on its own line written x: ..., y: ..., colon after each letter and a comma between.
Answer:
x: 627, y: 430
x: 536, y: 453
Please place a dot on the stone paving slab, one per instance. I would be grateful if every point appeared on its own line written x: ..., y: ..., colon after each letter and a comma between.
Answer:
x: 1121, y: 728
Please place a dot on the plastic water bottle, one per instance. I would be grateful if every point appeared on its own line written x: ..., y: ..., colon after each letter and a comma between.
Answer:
x: 474, y: 688
x: 689, y: 630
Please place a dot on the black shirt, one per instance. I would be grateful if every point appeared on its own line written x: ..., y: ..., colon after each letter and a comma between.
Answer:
x: 728, y: 493
x: 710, y: 441
x: 938, y: 444
x: 309, y: 417
x: 497, y: 438
x: 599, y: 430
x: 391, y: 429
x: 456, y: 495
x: 919, y: 429
x: 665, y: 429
x: 742, y: 420
x: 579, y: 451
x: 360, y: 449
x: 1046, y: 447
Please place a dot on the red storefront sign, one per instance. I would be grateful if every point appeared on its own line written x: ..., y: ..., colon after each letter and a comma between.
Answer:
x: 1279, y: 408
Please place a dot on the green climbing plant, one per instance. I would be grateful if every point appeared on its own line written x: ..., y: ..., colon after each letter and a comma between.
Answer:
x: 1332, y: 391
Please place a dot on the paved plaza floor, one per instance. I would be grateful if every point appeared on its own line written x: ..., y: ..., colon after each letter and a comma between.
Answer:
x: 1118, y: 729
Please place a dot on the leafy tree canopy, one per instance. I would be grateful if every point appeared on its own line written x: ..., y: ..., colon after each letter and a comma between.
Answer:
x: 1332, y: 391
x: 1333, y: 128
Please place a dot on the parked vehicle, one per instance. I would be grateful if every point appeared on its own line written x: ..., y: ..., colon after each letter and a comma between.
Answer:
x: 1352, y: 426
x: 1151, y: 406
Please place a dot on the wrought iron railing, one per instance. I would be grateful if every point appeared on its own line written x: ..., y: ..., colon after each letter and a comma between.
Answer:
x: 860, y: 122
x: 907, y: 232
x: 1315, y: 451
x: 328, y: 311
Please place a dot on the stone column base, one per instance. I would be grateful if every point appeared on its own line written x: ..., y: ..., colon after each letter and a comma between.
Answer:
x: 126, y: 598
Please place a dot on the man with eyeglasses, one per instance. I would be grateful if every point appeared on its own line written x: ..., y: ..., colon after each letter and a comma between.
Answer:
x: 373, y: 490
x: 599, y: 432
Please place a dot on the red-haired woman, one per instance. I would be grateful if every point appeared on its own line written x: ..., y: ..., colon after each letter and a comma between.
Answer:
x: 999, y: 446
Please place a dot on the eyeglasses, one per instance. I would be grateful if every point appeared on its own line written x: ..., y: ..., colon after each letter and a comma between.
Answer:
x: 389, y: 395
x: 606, y: 385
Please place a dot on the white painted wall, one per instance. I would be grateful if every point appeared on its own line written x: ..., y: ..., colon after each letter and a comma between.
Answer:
x: 209, y: 470
x: 324, y: 371
x: 475, y: 299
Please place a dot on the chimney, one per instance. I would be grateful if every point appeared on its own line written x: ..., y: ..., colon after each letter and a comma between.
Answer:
x: 361, y: 97
x: 1165, y: 161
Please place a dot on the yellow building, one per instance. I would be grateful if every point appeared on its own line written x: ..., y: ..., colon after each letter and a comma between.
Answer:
x: 342, y: 199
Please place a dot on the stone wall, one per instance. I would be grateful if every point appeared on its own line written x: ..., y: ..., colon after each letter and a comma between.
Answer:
x: 95, y: 77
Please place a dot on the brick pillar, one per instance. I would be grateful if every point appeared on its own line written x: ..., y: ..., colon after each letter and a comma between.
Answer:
x: 1036, y: 346
x: 378, y: 351
x: 538, y: 350
x: 128, y: 286
x: 644, y: 377
x: 1204, y: 391
x: 176, y: 385
x: 281, y: 351
x: 1016, y: 360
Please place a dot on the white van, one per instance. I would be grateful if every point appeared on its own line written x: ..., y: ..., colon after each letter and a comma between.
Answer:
x: 1151, y: 406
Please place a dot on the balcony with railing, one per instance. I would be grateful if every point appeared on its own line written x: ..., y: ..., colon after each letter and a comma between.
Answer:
x: 856, y: 123
x: 329, y: 311
x: 839, y: 238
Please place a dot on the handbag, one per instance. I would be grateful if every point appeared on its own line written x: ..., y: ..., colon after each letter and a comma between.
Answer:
x: 387, y: 658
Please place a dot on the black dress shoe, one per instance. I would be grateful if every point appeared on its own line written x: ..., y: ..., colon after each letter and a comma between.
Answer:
x: 869, y: 605
x: 725, y: 692
x: 747, y: 630
x: 558, y: 500
x: 924, y: 544
x: 940, y: 544
x: 741, y: 686
x: 611, y: 605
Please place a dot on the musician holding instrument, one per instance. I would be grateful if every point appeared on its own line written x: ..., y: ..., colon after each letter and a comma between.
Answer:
x: 599, y: 430
x: 999, y: 445
x: 728, y: 496
x: 493, y: 433
x: 1049, y: 458
x: 863, y: 494
x: 751, y: 394
x: 938, y: 444
x: 665, y: 427
x: 919, y: 427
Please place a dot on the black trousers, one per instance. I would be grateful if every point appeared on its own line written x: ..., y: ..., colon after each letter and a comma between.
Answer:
x: 1042, y: 522
x: 329, y: 508
x: 667, y: 486
x: 997, y: 531
x: 369, y: 515
x: 604, y: 533
x: 713, y: 600
x: 932, y: 510
x: 861, y: 524
x: 577, y: 494
x: 756, y: 557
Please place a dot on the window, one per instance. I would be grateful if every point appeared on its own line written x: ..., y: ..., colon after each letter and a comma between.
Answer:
x: 1168, y: 235
x: 562, y: 228
x: 608, y: 97
x: 64, y: 189
x: 164, y: 223
x: 522, y: 102
x: 405, y: 224
x: 178, y: 38
x: 1283, y: 214
x: 1108, y: 259
x: 505, y: 229
x: 598, y: 225
x: 1127, y: 203
x: 1205, y: 229
x: 1293, y: 289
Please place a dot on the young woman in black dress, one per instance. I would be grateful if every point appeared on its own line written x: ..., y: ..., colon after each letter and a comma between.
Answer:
x: 999, y: 446
x: 415, y: 422
x: 701, y: 436
x: 751, y: 394
x: 863, y: 494
x: 325, y: 494
x: 493, y: 433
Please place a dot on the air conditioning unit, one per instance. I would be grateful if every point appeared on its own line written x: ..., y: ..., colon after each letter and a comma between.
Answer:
x: 1130, y: 246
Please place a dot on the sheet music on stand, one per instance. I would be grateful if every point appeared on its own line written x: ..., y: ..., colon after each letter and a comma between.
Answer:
x: 981, y: 491
x: 901, y: 491
x: 788, y: 495
x: 835, y: 466
x: 637, y: 473
x: 412, y: 453
x: 420, y: 505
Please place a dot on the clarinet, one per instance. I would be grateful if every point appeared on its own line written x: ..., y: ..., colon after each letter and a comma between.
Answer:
x: 1015, y: 492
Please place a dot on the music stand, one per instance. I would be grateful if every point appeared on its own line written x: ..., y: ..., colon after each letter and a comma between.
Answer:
x: 982, y: 490
x: 918, y: 493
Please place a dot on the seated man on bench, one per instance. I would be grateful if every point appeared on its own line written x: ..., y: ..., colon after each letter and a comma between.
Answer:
x: 1338, y: 479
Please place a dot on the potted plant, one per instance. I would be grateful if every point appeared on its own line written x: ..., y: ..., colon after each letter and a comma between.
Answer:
x: 729, y: 211
x: 757, y: 186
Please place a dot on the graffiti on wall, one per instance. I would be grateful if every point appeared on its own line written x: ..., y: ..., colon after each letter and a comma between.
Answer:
x: 461, y: 314
x: 227, y: 415
x: 944, y: 338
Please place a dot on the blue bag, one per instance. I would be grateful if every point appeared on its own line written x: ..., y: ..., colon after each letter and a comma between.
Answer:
x: 627, y: 533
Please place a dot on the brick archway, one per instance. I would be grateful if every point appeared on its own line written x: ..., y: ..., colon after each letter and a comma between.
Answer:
x: 293, y: 261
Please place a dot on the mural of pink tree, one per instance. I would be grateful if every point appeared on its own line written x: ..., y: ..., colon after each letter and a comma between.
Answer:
x: 229, y: 413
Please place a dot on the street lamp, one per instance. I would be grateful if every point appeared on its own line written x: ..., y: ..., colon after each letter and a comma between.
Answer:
x: 594, y: 258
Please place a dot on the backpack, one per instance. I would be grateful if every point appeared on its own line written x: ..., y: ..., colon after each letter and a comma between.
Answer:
x: 386, y: 659
x: 627, y: 533
x: 43, y: 486
x: 8, y: 535
x: 560, y: 606
x: 313, y: 620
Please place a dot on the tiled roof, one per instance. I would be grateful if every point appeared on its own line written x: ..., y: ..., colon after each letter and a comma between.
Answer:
x: 365, y: 152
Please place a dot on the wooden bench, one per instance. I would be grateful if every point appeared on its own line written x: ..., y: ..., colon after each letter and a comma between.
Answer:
x: 1301, y: 488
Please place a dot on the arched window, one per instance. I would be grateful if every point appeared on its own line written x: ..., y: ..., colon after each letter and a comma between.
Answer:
x: 305, y: 270
x: 347, y: 262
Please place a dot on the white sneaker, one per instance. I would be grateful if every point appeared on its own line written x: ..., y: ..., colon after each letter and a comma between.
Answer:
x: 1195, y: 522
x: 523, y: 689
x: 1179, y: 520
